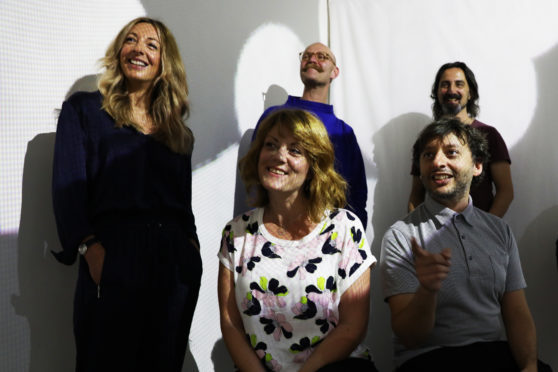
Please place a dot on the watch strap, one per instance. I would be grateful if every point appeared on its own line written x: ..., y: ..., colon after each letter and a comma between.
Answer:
x: 89, y: 242
x: 83, y: 247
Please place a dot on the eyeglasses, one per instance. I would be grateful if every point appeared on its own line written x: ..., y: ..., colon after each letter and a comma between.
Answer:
x: 320, y: 56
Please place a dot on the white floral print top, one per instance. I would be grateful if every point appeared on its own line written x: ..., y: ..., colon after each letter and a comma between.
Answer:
x: 288, y: 292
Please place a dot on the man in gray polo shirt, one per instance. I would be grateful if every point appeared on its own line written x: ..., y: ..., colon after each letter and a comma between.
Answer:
x: 449, y: 269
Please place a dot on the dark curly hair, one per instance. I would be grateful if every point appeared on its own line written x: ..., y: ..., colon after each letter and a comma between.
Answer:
x: 474, y: 138
x: 472, y: 105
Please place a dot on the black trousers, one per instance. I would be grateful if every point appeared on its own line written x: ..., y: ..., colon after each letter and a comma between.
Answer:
x: 478, y: 357
x: 345, y: 365
x: 350, y: 365
x: 139, y: 318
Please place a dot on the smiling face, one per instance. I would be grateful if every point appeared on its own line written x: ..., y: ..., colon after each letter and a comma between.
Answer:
x: 453, y: 92
x: 140, y: 55
x: 314, y: 72
x: 282, y: 165
x: 447, y: 170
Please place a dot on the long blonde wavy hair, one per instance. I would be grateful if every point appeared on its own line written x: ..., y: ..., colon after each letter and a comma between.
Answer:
x: 169, y: 98
x: 324, y: 188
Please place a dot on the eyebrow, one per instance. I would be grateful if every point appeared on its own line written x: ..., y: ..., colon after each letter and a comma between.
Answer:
x: 270, y: 136
x: 149, y: 38
x: 450, y: 80
x: 443, y: 146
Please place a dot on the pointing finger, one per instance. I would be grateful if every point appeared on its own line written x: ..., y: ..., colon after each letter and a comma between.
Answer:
x: 417, y: 250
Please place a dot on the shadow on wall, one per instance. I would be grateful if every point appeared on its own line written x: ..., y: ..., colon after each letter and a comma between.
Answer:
x: 210, y: 54
x: 221, y: 358
x: 392, y: 156
x: 393, y: 145
x: 46, y: 286
x: 274, y: 96
x: 535, y: 171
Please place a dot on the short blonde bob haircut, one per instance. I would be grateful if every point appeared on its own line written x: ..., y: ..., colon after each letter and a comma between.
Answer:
x: 169, y: 97
x: 324, y: 188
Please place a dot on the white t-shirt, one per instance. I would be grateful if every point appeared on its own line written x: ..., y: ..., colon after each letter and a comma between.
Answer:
x: 288, y: 292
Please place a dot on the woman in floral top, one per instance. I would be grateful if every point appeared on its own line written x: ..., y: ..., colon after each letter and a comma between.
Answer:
x: 294, y: 278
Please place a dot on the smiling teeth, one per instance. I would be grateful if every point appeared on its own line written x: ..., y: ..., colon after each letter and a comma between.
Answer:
x: 441, y: 177
x: 138, y: 63
x: 276, y: 171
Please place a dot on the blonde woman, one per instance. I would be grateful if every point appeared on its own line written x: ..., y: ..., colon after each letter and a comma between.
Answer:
x: 122, y: 200
x: 294, y: 277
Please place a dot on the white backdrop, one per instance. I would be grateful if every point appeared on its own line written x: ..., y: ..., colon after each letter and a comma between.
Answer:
x: 241, y: 56
x: 389, y: 52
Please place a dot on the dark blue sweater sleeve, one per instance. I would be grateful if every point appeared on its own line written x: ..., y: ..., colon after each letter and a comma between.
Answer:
x: 69, y: 183
x: 355, y: 175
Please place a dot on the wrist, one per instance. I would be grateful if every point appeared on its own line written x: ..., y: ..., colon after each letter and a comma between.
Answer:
x: 427, y: 291
x: 83, y: 248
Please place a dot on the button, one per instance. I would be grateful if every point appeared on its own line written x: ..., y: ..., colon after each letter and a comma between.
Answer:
x: 470, y: 258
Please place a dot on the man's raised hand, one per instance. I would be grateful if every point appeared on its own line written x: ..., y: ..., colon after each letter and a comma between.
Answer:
x: 431, y: 268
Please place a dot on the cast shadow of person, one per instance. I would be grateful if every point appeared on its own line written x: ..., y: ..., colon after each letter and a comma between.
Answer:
x: 393, y: 156
x: 393, y: 145
x: 46, y: 286
x: 275, y: 95
x: 535, y: 171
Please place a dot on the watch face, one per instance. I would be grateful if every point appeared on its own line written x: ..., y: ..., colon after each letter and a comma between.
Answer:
x: 82, y: 249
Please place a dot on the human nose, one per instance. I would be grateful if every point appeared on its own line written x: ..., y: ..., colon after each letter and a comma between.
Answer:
x: 439, y: 160
x: 452, y: 88
x: 281, y: 153
x: 313, y: 57
x: 138, y: 48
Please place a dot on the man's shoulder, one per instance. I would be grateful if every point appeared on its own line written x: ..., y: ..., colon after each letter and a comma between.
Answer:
x: 323, y: 111
x: 488, y: 220
x: 410, y: 223
x: 270, y: 109
x: 483, y: 127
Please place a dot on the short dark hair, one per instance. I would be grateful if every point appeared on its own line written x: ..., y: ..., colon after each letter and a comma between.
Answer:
x: 439, y: 129
x: 472, y: 105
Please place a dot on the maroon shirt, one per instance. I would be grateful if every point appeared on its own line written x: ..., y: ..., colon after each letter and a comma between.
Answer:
x: 482, y: 193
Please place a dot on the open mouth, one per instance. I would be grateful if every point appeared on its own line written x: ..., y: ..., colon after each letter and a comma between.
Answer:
x: 276, y: 171
x: 137, y: 63
x: 441, y: 179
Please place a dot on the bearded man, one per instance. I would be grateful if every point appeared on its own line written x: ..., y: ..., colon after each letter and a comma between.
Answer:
x: 456, y: 93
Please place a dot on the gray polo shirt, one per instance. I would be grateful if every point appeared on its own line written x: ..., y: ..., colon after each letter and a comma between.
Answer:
x: 484, y: 265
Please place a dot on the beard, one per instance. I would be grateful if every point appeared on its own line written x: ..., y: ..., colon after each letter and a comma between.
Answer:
x: 449, y: 108
x: 462, y: 183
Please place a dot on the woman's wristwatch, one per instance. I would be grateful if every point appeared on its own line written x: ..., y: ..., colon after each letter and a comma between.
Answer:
x: 82, y: 248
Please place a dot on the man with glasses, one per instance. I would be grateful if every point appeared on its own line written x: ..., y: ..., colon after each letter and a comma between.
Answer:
x: 318, y: 68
